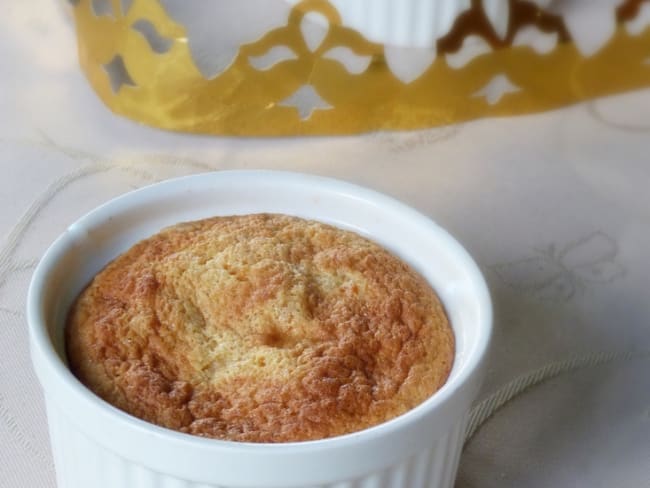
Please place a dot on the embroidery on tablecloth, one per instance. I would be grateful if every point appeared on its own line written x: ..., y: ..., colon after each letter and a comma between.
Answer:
x: 558, y: 272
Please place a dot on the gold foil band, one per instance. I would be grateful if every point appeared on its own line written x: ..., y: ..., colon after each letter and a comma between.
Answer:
x: 138, y: 60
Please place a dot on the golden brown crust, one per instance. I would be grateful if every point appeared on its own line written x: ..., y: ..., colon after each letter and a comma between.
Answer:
x: 260, y: 328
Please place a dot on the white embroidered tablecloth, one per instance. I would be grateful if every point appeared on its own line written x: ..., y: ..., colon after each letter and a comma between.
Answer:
x: 555, y: 208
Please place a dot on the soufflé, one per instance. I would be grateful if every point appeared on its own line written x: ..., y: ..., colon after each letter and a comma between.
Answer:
x: 260, y: 328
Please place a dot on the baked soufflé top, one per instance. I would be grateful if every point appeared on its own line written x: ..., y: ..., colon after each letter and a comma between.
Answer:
x: 260, y: 328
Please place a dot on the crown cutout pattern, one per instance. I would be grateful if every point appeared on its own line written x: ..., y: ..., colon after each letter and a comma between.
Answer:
x: 312, y: 74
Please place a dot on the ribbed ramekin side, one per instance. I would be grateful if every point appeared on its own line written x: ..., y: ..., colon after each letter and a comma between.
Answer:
x: 407, y: 23
x: 432, y: 468
x: 81, y: 462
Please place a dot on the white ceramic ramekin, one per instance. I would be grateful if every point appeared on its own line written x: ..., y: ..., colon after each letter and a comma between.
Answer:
x: 405, y: 23
x: 416, y: 23
x: 96, y: 445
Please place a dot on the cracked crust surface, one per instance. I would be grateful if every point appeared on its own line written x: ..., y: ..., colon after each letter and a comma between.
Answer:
x: 260, y: 328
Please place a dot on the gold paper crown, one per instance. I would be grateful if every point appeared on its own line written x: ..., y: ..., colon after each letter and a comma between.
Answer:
x: 288, y: 82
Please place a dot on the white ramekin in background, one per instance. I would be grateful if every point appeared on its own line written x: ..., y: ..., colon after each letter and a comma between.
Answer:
x: 96, y: 445
x: 416, y: 23
x: 405, y: 23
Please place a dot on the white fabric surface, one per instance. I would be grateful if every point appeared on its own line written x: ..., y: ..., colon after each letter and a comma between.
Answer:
x: 555, y: 208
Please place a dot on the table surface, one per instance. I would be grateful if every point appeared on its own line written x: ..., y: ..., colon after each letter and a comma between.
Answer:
x: 555, y: 208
